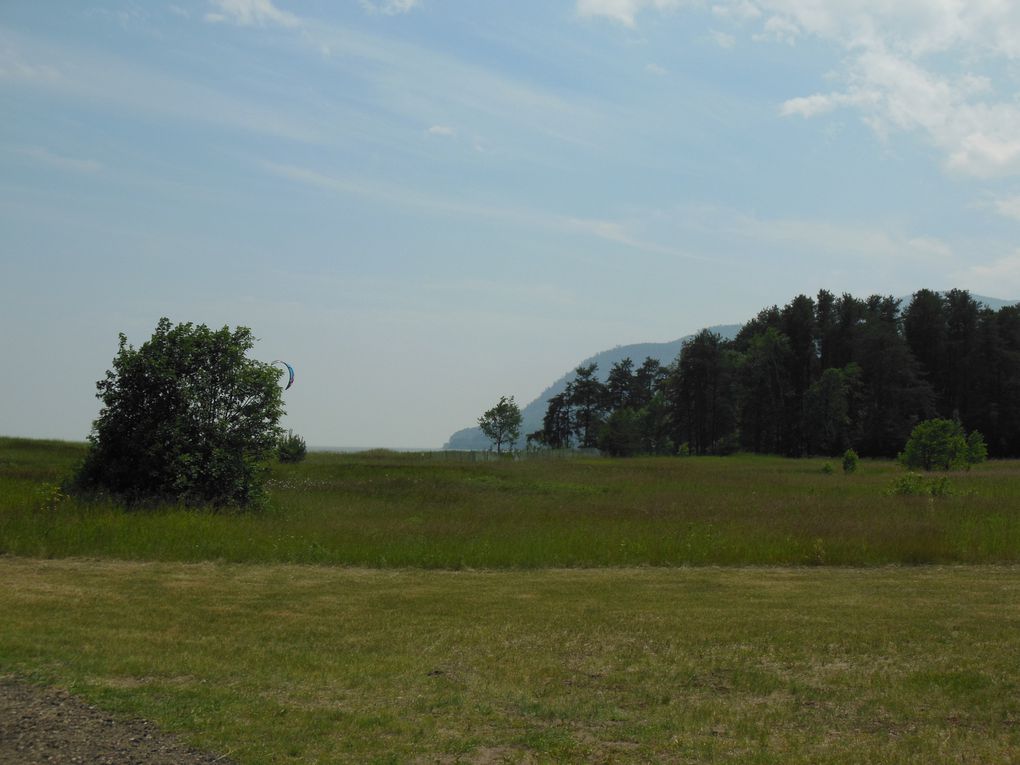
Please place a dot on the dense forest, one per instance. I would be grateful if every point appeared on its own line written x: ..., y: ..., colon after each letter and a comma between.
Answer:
x: 813, y: 377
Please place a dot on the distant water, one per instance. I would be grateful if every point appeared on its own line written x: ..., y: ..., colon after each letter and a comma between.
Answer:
x: 351, y: 449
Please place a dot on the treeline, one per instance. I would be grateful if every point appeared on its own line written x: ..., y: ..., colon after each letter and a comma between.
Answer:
x: 813, y: 377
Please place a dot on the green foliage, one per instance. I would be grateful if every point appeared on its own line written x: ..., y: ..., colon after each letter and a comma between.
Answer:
x: 502, y: 423
x: 916, y: 485
x: 586, y: 396
x: 623, y: 434
x: 187, y: 417
x: 850, y: 460
x: 557, y: 424
x: 977, y: 451
x: 828, y: 469
x: 702, y: 383
x: 936, y: 444
x: 292, y: 448
x: 827, y: 409
x: 818, y: 377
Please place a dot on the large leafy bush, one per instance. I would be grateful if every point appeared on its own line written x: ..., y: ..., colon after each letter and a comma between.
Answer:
x: 187, y: 417
x: 942, y: 445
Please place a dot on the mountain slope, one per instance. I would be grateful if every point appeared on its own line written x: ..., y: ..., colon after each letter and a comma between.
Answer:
x: 665, y: 353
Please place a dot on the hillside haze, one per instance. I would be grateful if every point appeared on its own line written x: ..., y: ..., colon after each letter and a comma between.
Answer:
x: 665, y: 353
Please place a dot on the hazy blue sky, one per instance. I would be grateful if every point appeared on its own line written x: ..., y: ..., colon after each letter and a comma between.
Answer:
x: 426, y: 204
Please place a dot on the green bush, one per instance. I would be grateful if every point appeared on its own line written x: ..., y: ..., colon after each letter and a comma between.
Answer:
x: 292, y: 448
x: 916, y: 485
x: 941, y: 445
x: 850, y: 460
x: 186, y: 418
x: 977, y: 451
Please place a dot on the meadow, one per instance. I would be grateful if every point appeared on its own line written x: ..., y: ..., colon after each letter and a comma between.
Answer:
x: 733, y: 610
x: 452, y: 511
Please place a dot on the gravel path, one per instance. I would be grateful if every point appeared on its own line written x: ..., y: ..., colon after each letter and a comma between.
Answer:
x: 41, y: 725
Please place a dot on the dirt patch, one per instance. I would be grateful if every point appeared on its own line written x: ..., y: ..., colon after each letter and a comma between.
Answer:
x: 44, y: 725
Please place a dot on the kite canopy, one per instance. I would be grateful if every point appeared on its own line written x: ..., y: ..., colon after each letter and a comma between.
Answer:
x: 290, y: 371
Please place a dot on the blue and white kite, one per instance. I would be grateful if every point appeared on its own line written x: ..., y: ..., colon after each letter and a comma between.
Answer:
x: 290, y: 371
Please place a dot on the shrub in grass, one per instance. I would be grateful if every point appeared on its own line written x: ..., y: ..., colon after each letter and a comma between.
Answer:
x: 940, y: 444
x: 827, y: 468
x: 187, y: 418
x: 292, y: 448
x: 850, y: 460
x: 916, y: 485
x: 977, y: 451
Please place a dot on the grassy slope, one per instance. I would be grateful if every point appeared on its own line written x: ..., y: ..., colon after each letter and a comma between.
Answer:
x: 279, y: 664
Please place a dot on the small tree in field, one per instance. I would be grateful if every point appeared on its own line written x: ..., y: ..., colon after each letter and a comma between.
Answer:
x: 941, y: 445
x: 850, y: 461
x: 186, y: 417
x: 502, y: 423
x: 292, y: 448
x: 977, y: 450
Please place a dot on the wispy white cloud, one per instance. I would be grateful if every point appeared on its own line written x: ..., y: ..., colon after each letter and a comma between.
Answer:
x: 484, y: 101
x: 999, y: 277
x: 614, y: 231
x: 430, y: 202
x: 623, y: 11
x: 779, y: 29
x: 58, y: 161
x: 251, y: 13
x: 18, y: 65
x: 442, y: 130
x: 1007, y: 207
x: 836, y: 240
x: 723, y: 40
x: 894, y: 80
x: 91, y: 76
x: 740, y: 10
x: 977, y: 136
x: 908, y: 66
x: 390, y: 7
x: 658, y: 71
x: 910, y: 27
x: 863, y: 241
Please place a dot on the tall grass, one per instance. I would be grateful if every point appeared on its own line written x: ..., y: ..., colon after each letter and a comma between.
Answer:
x: 384, y: 509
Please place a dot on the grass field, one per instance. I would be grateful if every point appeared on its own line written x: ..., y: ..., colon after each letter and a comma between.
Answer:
x: 436, y: 511
x: 277, y: 664
x: 573, y: 610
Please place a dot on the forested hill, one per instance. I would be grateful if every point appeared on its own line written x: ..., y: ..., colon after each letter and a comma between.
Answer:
x: 816, y: 376
x: 664, y: 353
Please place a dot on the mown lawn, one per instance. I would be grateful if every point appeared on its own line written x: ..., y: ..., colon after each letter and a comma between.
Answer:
x: 278, y: 663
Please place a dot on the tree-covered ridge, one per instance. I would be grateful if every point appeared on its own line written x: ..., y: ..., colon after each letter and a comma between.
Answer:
x: 533, y: 413
x: 817, y: 376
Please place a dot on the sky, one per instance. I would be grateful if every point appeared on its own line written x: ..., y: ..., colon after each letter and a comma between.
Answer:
x: 424, y: 205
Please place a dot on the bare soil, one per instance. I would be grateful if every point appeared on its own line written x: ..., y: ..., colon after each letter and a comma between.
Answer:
x: 45, y: 725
